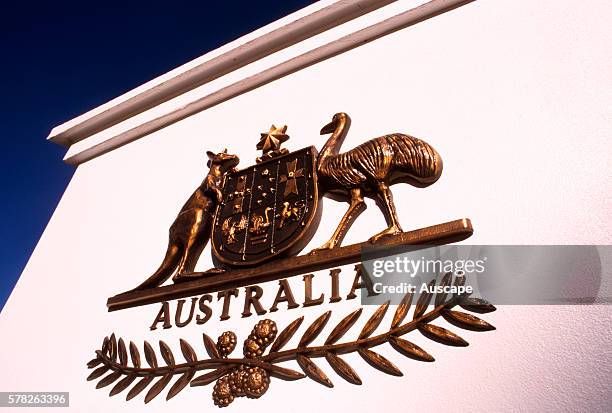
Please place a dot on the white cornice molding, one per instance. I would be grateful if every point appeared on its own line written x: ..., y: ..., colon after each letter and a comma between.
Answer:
x: 147, y: 109
x: 276, y: 36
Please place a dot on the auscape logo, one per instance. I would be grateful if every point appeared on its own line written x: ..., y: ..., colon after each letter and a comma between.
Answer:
x: 258, y: 220
x: 424, y: 288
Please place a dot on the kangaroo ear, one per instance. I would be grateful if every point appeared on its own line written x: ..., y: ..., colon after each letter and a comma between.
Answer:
x: 210, y: 154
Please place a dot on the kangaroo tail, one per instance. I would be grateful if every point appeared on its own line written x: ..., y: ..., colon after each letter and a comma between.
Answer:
x: 165, y: 270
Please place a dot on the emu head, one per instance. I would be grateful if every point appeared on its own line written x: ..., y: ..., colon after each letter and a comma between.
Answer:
x: 340, y: 119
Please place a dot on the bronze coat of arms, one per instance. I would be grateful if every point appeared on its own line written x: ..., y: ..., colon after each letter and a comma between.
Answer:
x: 258, y: 219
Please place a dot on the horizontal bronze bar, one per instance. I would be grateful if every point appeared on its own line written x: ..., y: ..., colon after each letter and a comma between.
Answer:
x: 440, y: 234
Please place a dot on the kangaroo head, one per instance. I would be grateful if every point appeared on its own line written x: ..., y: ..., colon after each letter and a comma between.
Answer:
x: 223, y: 159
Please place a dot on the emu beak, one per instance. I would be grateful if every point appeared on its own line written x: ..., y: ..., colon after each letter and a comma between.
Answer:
x: 329, y: 128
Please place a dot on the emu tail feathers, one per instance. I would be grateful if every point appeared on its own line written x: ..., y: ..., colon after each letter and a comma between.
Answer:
x: 416, y: 156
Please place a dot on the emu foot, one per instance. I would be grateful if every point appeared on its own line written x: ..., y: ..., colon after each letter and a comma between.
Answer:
x: 392, y: 230
x: 325, y: 247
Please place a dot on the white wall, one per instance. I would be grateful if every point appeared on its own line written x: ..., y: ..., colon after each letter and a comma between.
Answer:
x: 515, y: 95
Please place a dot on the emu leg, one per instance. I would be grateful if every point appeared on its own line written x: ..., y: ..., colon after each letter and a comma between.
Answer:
x: 355, y: 209
x: 388, y: 208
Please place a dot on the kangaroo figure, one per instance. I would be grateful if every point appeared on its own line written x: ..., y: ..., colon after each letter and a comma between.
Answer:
x: 191, y: 229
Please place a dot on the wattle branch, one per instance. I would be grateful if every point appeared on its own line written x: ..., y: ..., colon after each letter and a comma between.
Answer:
x: 250, y: 376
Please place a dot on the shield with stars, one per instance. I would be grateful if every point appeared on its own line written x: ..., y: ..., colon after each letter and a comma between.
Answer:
x: 269, y: 210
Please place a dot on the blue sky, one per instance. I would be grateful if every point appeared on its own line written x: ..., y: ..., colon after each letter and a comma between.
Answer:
x: 61, y: 59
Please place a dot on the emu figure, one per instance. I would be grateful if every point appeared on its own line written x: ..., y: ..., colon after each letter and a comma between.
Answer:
x: 368, y: 170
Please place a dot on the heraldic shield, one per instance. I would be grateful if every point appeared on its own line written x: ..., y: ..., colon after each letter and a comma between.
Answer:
x: 269, y: 210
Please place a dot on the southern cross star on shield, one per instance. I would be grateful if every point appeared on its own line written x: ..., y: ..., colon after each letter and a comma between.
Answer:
x: 290, y: 178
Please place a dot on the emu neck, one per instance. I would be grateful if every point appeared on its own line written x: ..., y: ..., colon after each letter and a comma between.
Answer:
x: 333, y: 144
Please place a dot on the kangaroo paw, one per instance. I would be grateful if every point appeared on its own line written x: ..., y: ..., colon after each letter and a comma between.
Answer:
x: 214, y: 270
x: 189, y: 276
